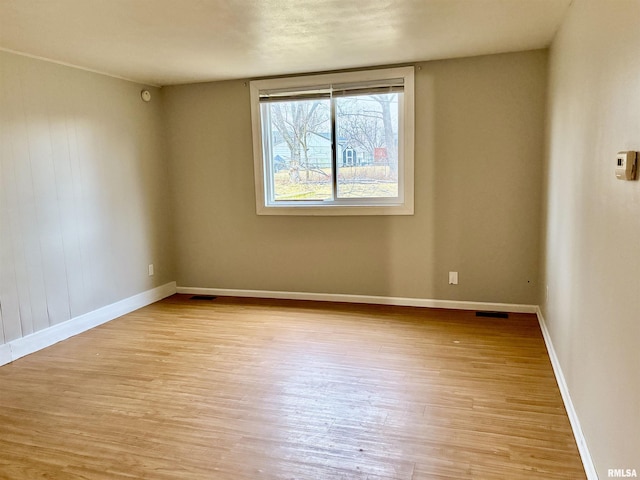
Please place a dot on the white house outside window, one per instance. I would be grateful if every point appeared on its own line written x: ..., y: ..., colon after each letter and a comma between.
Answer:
x: 334, y: 144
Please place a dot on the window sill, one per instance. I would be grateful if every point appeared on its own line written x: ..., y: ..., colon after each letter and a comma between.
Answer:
x: 335, y: 210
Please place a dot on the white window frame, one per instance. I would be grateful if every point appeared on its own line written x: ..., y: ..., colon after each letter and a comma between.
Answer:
x: 403, y: 205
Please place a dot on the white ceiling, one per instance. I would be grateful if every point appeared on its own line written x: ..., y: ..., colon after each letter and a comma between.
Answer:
x: 163, y: 42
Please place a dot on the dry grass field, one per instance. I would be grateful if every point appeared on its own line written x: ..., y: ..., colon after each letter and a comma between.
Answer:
x: 371, y: 181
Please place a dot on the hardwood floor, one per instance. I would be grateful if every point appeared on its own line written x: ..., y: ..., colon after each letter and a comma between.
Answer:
x: 251, y: 389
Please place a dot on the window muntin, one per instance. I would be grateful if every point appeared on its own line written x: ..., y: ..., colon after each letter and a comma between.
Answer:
x: 334, y: 144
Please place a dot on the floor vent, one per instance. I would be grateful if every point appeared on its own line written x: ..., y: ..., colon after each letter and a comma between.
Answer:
x: 203, y: 297
x: 492, y: 314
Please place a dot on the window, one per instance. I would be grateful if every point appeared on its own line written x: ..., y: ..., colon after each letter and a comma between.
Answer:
x: 334, y: 144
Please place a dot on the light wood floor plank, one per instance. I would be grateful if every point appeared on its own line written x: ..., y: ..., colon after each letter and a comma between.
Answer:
x: 273, y: 389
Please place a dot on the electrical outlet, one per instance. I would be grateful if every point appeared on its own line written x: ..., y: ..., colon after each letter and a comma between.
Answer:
x: 453, y: 278
x: 151, y: 269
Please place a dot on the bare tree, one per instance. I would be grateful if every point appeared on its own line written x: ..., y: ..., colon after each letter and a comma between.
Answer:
x: 295, y: 120
x: 360, y: 128
x: 371, y: 128
x: 389, y: 137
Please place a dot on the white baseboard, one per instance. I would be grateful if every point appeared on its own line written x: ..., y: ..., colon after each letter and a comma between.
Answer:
x: 5, y: 353
x: 376, y: 300
x: 36, y: 341
x: 568, y: 404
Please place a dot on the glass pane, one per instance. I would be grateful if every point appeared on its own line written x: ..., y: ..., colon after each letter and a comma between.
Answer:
x: 367, y: 160
x: 299, y: 157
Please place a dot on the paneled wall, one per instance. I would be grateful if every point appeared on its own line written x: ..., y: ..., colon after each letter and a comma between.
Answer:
x: 84, y: 199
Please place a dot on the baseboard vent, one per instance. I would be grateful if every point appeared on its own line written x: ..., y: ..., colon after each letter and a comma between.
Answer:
x: 203, y: 297
x: 492, y: 314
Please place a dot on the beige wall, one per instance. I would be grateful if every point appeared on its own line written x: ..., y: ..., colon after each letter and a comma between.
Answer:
x: 591, y: 232
x: 478, y: 156
x: 83, y: 201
